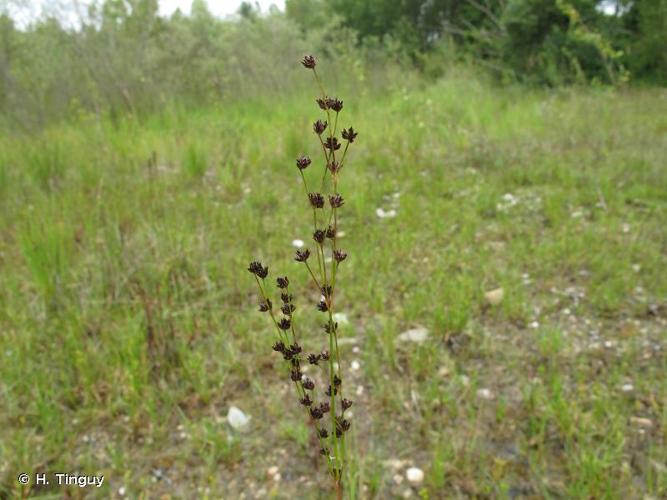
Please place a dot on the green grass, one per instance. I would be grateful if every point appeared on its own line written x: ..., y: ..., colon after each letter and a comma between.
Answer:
x: 128, y: 324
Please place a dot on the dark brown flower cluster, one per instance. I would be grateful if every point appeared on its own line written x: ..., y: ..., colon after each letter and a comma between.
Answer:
x: 329, y: 424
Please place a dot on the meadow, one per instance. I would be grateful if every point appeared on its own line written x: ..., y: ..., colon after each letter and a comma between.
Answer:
x: 128, y: 323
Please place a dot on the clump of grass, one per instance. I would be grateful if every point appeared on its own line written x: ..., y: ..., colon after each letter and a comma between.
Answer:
x: 333, y: 404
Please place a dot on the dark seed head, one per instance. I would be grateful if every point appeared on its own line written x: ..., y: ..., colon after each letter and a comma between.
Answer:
x: 306, y: 401
x: 331, y: 232
x: 324, y: 451
x: 325, y: 355
x: 328, y: 391
x: 336, y: 104
x: 324, y: 407
x: 326, y: 290
x: 337, y: 381
x: 333, y: 166
x: 308, y: 384
x: 287, y: 309
x: 319, y: 126
x: 346, y: 403
x: 316, y: 200
x: 332, y: 143
x: 322, y: 306
x: 279, y: 347
x: 282, y: 282
x: 323, y: 103
x: 287, y: 355
x: 302, y: 162
x: 302, y: 255
x: 336, y: 200
x: 339, y: 255
x: 295, y: 348
x: 323, y: 433
x: 284, y: 324
x: 343, y: 424
x: 330, y: 327
x: 296, y: 375
x: 265, y: 306
x: 257, y: 269
x: 319, y: 236
x: 308, y: 62
x: 316, y: 413
x: 286, y: 298
x: 349, y: 134
x: 314, y: 359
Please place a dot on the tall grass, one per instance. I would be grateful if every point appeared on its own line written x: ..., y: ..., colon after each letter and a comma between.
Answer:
x: 124, y: 330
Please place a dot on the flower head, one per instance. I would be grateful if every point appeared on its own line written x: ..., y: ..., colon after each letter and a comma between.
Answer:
x: 308, y: 384
x: 336, y: 200
x: 349, y: 134
x: 332, y: 143
x: 319, y: 127
x: 316, y: 200
x: 258, y: 270
x: 302, y: 162
x: 339, y: 255
x: 319, y: 235
x: 336, y: 104
x: 284, y: 324
x: 302, y: 255
x: 265, y: 306
x: 309, y: 62
x: 282, y: 282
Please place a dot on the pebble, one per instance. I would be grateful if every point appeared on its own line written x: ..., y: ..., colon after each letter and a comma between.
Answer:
x: 417, y: 335
x: 297, y: 243
x: 273, y: 470
x: 485, y: 394
x: 384, y: 214
x: 398, y: 479
x: 414, y: 475
x: 341, y: 318
x: 360, y: 390
x: 533, y: 324
x: 627, y: 387
x: 354, y: 366
x: 642, y: 422
x: 237, y: 419
x: 494, y: 297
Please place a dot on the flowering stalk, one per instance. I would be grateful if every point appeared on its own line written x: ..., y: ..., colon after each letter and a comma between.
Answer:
x: 324, y: 277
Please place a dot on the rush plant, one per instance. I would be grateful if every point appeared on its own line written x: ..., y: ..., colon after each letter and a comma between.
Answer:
x: 322, y: 397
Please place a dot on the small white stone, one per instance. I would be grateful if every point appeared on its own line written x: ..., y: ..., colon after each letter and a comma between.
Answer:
x: 298, y: 243
x: 273, y: 470
x: 356, y: 350
x: 465, y: 380
x: 340, y: 234
x: 354, y: 366
x: 360, y: 390
x: 636, y: 268
x: 626, y: 228
x: 417, y: 335
x: 627, y: 387
x: 384, y: 214
x: 533, y: 324
x: 485, y: 394
x: 237, y: 419
x: 414, y: 475
x: 494, y: 297
x: 277, y: 477
x: 121, y: 491
x: 398, y: 479
x: 341, y: 318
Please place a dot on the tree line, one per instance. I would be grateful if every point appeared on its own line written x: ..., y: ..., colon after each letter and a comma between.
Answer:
x: 121, y: 56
